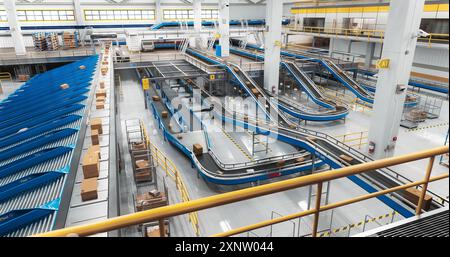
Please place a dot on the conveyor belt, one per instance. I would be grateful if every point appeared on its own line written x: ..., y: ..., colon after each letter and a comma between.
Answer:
x: 39, y: 129
x: 336, y: 154
x: 220, y: 173
x: 334, y: 112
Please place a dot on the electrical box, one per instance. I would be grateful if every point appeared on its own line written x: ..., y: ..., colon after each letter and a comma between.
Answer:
x: 400, y: 88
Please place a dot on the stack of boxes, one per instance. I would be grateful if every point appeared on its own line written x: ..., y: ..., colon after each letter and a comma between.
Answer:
x: 70, y: 39
x: 52, y: 41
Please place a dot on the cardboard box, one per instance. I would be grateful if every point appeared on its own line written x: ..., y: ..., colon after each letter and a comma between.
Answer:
x: 147, y: 201
x: 104, y: 70
x: 96, y: 124
x: 102, y: 84
x: 156, y: 98
x: 164, y: 114
x: 142, y: 164
x: 23, y: 77
x: 143, y: 176
x: 300, y: 160
x: 255, y: 91
x: 64, y: 86
x: 95, y: 149
x: 91, y: 165
x: 413, y: 195
x: 94, y: 137
x: 138, y: 146
x: 100, y: 93
x: 197, y: 149
x: 100, y: 105
x: 346, y: 158
x: 89, y: 189
x: 100, y: 99
x: 281, y: 163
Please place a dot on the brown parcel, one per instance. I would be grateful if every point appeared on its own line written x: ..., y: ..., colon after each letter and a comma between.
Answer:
x: 97, y: 124
x: 147, y: 201
x: 91, y: 165
x: 413, y: 195
x: 89, y: 189
x: 198, y: 149
x: 100, y: 92
x: 94, y: 137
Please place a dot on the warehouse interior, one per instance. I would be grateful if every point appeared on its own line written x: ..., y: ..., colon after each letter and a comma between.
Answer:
x: 227, y: 118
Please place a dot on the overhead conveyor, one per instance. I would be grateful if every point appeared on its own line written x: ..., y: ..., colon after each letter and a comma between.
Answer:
x: 336, y: 72
x: 39, y: 132
x: 333, y: 110
x: 336, y: 154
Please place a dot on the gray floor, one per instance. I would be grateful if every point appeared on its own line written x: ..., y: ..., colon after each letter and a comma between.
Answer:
x: 246, y: 212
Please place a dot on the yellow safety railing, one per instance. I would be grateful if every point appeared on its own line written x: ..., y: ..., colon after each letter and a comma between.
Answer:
x: 355, y: 140
x: 267, y: 189
x: 370, y: 34
x: 341, y: 97
x: 171, y: 171
x: 5, y: 76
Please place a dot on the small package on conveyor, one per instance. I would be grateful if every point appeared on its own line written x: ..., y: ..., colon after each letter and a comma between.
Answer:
x: 89, y: 189
x: 164, y: 114
x: 97, y: 124
x: 155, y: 98
x: 138, y: 146
x: 147, y: 201
x: 64, y: 86
x: 346, y: 158
x: 95, y: 137
x: 197, y: 149
x: 91, y: 165
x: 281, y: 163
x: 100, y: 92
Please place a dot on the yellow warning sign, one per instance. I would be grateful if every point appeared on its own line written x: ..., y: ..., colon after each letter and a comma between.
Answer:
x: 383, y: 63
x: 146, y: 84
x: 212, y: 77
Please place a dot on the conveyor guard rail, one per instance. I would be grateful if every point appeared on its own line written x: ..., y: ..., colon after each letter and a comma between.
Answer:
x: 249, y: 193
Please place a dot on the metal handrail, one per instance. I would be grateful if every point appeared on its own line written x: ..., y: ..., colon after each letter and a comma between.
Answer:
x: 249, y: 193
x: 368, y: 33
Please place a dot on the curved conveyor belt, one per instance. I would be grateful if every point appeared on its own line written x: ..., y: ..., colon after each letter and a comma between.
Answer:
x: 334, y: 112
x: 334, y: 153
x: 208, y: 165
x: 335, y: 71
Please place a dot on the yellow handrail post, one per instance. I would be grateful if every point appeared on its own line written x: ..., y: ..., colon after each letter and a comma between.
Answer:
x: 317, y: 209
x: 162, y: 228
x: 425, y: 185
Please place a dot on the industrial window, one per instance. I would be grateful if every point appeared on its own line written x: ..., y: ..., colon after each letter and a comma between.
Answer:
x: 188, y: 14
x: 210, y: 14
x: 45, y: 15
x: 3, y: 16
x: 109, y: 15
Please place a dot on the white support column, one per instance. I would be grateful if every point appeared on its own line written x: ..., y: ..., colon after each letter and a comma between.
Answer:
x: 370, y: 50
x: 14, y: 27
x: 79, y: 17
x: 274, y: 15
x: 158, y: 12
x: 224, y: 27
x: 197, y: 4
x: 399, y: 47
